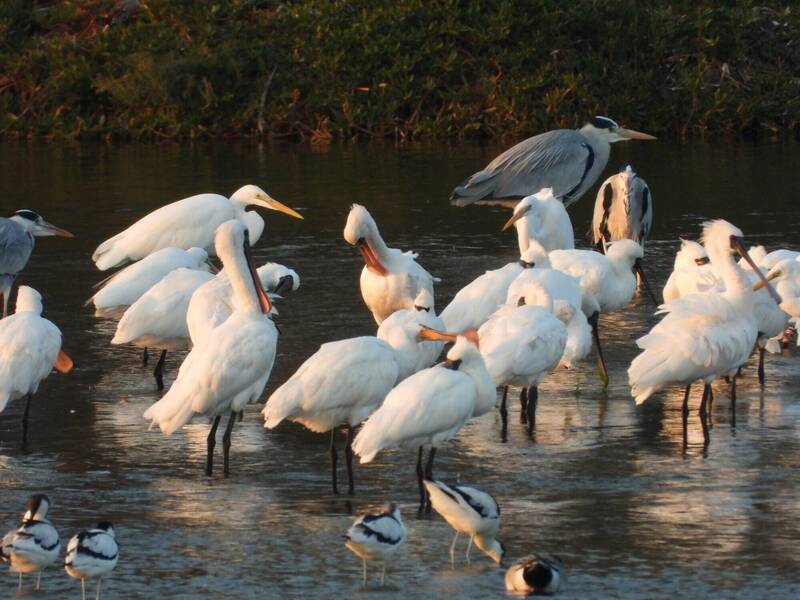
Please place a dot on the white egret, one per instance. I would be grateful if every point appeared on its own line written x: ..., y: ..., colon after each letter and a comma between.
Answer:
x: 17, y: 235
x: 543, y: 218
x: 230, y: 366
x: 34, y: 544
x: 185, y: 224
x: 391, y: 279
x: 429, y: 408
x: 470, y: 511
x: 31, y: 348
x: 535, y: 574
x: 376, y: 536
x: 92, y: 554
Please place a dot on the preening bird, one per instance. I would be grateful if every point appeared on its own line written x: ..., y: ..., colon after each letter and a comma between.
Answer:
x: 17, y: 235
x: 30, y: 347
x: 34, y: 544
x: 623, y: 210
x: 535, y: 574
x: 390, y: 279
x: 691, y: 272
x: 542, y: 217
x: 565, y: 160
x: 469, y: 511
x: 92, y: 554
x: 427, y: 352
x: 477, y: 301
x: 430, y: 407
x: 128, y: 285
x: 704, y: 335
x: 344, y: 382
x: 185, y: 224
x: 376, y: 536
x: 213, y: 302
x: 230, y: 366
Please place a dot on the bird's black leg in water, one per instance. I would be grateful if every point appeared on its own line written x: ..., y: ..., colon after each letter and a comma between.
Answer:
x: 145, y: 358
x: 533, y: 399
x: 503, y: 409
x: 25, y: 421
x: 159, y: 371
x: 733, y: 401
x: 420, y: 478
x: 703, y: 412
x: 594, y: 321
x: 226, y: 444
x: 429, y: 476
x: 685, y: 415
x: 523, y: 405
x: 348, y: 457
x: 241, y: 416
x: 211, y: 442
x: 761, y: 366
x: 334, y: 481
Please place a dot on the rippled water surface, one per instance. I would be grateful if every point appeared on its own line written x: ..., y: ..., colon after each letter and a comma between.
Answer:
x: 606, y: 485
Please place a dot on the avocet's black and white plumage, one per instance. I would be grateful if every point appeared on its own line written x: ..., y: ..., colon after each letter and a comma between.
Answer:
x: 92, y: 554
x: 535, y: 574
x: 623, y: 210
x: 34, y: 544
x: 469, y: 511
x: 16, y: 244
x: 566, y: 160
x: 376, y: 536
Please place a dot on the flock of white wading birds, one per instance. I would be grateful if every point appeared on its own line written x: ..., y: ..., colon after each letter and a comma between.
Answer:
x: 511, y: 326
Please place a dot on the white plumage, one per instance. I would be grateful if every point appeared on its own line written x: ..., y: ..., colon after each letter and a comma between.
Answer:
x: 186, y: 223
x: 92, y: 554
x: 391, y: 279
x: 691, y: 272
x: 376, y: 536
x: 535, y: 574
x: 128, y: 285
x: 542, y: 218
x: 427, y: 352
x: 231, y: 365
x: 470, y: 511
x: 34, y: 544
x: 477, y: 301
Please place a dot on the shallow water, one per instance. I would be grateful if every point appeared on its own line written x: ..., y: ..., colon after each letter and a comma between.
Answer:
x: 607, y: 486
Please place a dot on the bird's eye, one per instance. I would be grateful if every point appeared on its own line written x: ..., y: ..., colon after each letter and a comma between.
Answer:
x: 361, y: 241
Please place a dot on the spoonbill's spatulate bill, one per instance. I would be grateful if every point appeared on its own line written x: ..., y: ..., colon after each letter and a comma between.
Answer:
x: 565, y: 160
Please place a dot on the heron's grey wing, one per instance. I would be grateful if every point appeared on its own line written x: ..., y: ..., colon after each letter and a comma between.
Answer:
x: 558, y: 159
x: 16, y: 246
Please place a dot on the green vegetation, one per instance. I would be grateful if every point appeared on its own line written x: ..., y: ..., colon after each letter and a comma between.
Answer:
x: 391, y: 68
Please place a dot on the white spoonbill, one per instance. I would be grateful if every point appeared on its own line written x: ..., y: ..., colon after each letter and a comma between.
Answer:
x: 428, y: 352
x: 230, y: 366
x: 344, y: 382
x: 376, y: 536
x: 522, y: 343
x: 213, y: 302
x: 470, y: 511
x: 34, y: 544
x: 542, y: 217
x: 623, y: 210
x: 691, y: 272
x: 158, y: 318
x: 607, y: 282
x: 535, y: 574
x: 92, y: 554
x: 186, y: 223
x: 127, y: 285
x: 31, y: 348
x: 767, y: 260
x: 17, y: 236
x: 477, y: 301
x: 702, y: 336
x: 391, y: 279
x: 429, y: 408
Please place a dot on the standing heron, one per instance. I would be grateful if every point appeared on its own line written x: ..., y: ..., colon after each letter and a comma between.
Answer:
x: 623, y: 209
x: 566, y: 160
x: 16, y: 244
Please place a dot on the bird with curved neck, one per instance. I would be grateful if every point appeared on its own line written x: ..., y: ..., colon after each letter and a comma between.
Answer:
x: 187, y: 223
x: 705, y: 335
x: 543, y: 218
x: 34, y: 544
x: 230, y: 366
x: 391, y: 279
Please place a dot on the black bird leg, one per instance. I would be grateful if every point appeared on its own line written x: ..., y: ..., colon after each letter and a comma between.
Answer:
x: 211, y: 441
x: 348, y: 456
x: 159, y: 371
x: 685, y: 415
x: 594, y: 321
x: 420, y: 478
x: 733, y: 401
x: 703, y: 412
x: 761, y: 366
x: 25, y: 421
x: 145, y: 357
x: 533, y: 399
x: 333, y: 461
x: 226, y: 443
x: 523, y: 405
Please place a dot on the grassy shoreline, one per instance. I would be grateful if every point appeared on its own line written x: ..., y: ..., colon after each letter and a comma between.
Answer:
x: 437, y: 69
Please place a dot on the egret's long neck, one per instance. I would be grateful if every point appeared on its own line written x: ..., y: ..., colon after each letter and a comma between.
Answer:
x: 524, y: 235
x: 244, y: 291
x: 737, y: 285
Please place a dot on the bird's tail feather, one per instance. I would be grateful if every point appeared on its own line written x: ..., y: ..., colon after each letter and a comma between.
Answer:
x: 110, y: 254
x: 172, y: 412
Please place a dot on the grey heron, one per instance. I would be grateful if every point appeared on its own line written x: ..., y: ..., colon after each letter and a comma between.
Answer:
x: 16, y: 244
x: 566, y: 160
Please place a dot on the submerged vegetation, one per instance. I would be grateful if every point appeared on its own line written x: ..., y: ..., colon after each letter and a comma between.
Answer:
x: 328, y: 69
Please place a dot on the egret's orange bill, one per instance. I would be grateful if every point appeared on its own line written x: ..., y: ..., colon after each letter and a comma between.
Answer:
x: 63, y: 362
x: 514, y: 218
x: 270, y: 202
x: 432, y: 335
